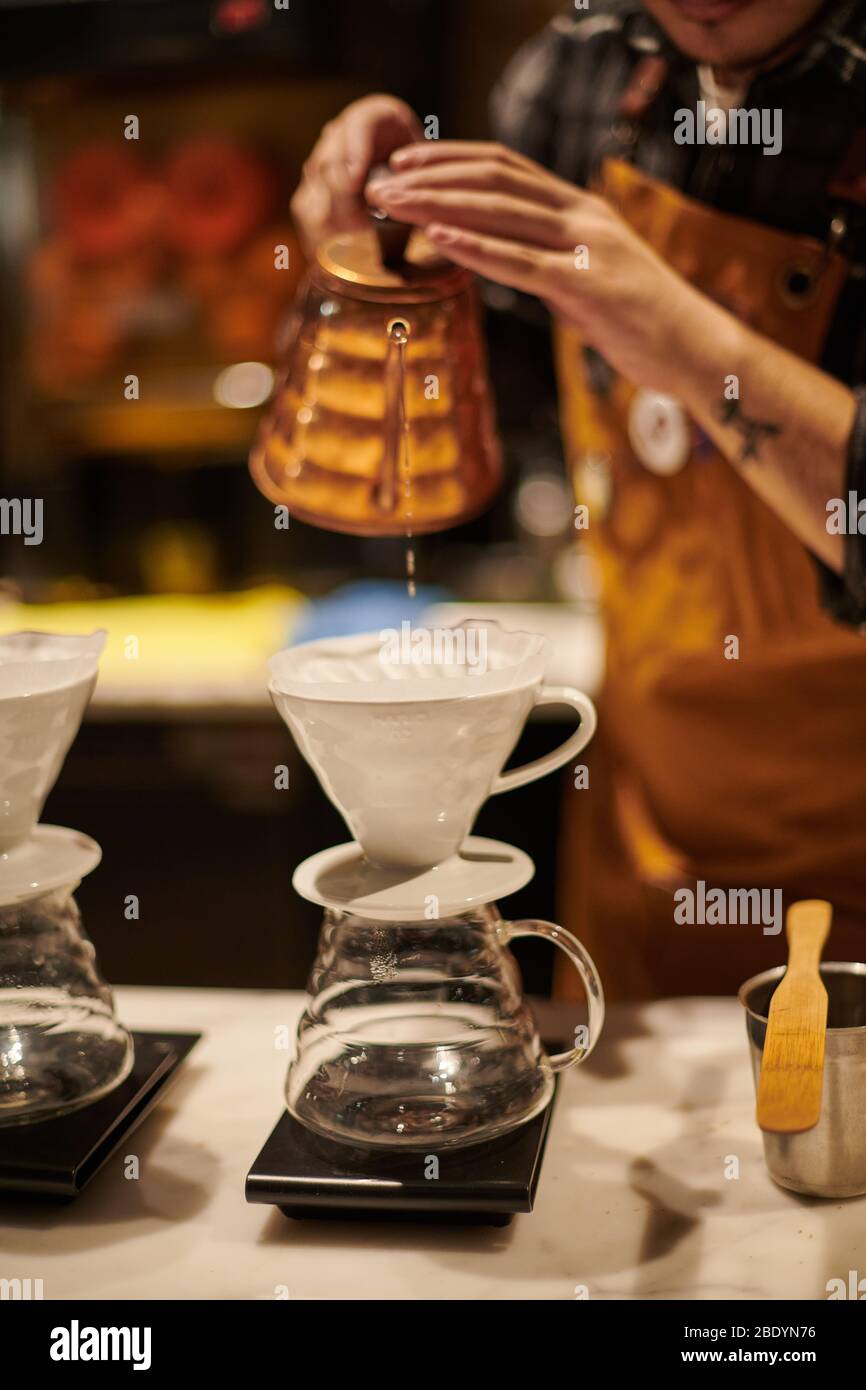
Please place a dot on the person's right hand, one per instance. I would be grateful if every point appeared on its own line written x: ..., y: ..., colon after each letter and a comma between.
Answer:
x: 329, y: 198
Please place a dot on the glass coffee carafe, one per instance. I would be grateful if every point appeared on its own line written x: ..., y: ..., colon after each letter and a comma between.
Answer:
x: 417, y: 1033
x: 61, y: 1044
x: 382, y: 423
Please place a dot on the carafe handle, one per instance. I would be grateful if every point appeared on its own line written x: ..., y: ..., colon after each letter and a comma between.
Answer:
x: 583, y: 963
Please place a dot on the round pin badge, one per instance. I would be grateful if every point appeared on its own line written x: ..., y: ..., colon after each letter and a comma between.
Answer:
x: 660, y: 432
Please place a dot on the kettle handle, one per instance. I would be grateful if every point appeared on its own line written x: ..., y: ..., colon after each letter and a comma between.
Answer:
x: 583, y: 963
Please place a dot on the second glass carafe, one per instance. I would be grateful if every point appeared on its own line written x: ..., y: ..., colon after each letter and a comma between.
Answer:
x: 417, y: 1033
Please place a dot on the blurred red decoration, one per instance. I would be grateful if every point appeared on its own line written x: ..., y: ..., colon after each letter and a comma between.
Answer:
x: 106, y: 202
x: 188, y: 236
x: 235, y: 16
x: 219, y: 193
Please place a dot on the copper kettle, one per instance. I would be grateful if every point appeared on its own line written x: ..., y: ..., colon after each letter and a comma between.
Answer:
x: 382, y: 422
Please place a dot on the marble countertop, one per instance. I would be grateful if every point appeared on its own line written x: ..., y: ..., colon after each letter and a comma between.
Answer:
x: 636, y: 1199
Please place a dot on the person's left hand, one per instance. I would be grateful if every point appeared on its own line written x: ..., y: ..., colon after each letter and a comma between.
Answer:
x: 512, y: 221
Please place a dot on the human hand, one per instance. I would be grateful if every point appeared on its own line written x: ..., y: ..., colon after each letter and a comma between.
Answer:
x: 329, y: 197
x: 511, y: 220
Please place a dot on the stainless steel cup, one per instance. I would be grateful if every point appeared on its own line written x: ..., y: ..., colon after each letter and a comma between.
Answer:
x: 829, y: 1160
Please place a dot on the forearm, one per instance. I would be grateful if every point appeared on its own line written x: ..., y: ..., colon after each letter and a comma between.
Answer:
x: 781, y: 422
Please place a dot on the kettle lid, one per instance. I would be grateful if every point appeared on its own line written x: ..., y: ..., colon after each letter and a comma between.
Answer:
x: 351, y: 264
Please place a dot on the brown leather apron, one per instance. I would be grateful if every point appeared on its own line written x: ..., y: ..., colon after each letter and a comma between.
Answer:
x: 745, y: 773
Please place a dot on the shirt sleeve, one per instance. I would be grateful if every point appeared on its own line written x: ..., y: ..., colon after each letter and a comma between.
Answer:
x: 524, y: 102
x: 844, y: 595
x: 524, y: 115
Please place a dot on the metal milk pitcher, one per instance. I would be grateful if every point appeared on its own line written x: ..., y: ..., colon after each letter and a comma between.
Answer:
x: 829, y: 1160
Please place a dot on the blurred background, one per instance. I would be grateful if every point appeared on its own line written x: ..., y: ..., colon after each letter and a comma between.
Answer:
x: 148, y: 153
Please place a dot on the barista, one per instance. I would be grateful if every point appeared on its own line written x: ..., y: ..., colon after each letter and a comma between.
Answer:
x: 709, y: 302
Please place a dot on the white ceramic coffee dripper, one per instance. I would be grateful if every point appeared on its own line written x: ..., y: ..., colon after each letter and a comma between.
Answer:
x: 408, y: 750
x: 46, y: 681
x: 61, y: 1045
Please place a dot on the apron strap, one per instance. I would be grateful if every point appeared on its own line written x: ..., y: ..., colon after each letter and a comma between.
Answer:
x: 848, y: 183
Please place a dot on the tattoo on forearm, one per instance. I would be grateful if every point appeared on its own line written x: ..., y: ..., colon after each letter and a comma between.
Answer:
x: 751, y: 431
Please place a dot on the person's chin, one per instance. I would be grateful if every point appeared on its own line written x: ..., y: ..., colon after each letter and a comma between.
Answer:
x: 709, y: 12
x: 706, y: 30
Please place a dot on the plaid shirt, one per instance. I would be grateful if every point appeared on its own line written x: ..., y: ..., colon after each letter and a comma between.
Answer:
x: 558, y: 102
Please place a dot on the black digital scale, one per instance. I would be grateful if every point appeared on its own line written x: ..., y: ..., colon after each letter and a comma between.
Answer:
x: 58, y: 1157
x: 309, y: 1177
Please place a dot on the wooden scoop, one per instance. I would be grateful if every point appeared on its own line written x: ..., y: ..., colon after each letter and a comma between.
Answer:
x: 792, y: 1067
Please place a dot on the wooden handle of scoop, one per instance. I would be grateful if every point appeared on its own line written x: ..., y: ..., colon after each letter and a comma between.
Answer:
x: 792, y: 1066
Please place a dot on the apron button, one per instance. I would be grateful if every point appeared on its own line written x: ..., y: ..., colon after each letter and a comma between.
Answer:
x: 660, y: 432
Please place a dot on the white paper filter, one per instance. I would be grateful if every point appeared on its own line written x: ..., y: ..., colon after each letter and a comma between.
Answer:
x: 473, y: 658
x: 33, y: 663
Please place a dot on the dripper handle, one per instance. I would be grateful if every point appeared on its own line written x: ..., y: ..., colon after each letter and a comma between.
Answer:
x: 585, y: 967
x: 553, y: 695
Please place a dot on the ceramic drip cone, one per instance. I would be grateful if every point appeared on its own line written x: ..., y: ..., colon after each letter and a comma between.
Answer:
x: 61, y: 1045
x: 45, y: 684
x: 408, y: 737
